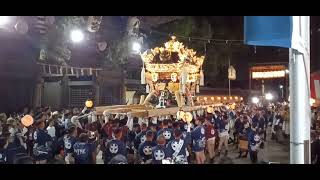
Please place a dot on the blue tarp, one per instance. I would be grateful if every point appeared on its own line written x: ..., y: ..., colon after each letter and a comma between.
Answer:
x: 268, y: 31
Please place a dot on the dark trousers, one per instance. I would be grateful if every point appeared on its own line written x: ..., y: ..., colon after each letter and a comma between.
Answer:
x: 253, y: 156
x: 245, y: 155
x: 236, y: 137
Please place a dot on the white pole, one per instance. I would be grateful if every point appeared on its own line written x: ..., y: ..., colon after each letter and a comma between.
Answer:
x: 300, y: 113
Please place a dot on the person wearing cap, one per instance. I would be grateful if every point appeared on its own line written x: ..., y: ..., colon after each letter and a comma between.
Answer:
x: 42, y: 140
x: 84, y: 152
x: 199, y: 140
x: 166, y: 131
x: 177, y: 148
x: 68, y: 141
x: 145, y: 148
x: 160, y: 152
x: 114, y: 147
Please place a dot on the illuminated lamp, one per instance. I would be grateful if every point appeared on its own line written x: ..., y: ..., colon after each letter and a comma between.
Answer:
x: 180, y: 114
x: 210, y: 109
x: 89, y: 104
x: 27, y: 120
x: 187, y: 117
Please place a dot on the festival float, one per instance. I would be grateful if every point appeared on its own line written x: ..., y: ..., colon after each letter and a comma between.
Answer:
x: 172, y: 75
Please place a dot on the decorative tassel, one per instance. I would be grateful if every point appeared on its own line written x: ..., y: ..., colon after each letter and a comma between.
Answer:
x: 90, y: 71
x: 194, y: 115
x: 183, y: 102
x: 201, y: 78
x: 142, y: 97
x: 147, y: 88
x: 183, y: 88
x: 197, y: 88
x: 143, y: 76
x: 177, y: 94
x: 184, y: 76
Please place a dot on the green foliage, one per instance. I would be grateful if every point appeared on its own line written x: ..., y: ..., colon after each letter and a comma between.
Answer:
x: 118, y: 52
x: 56, y: 41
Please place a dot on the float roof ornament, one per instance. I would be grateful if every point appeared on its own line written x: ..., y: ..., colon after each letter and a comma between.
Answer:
x: 171, y: 58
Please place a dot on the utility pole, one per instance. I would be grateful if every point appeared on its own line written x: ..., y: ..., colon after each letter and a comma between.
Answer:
x: 299, y: 80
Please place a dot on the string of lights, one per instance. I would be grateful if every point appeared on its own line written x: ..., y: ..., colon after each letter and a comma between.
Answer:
x: 208, y: 40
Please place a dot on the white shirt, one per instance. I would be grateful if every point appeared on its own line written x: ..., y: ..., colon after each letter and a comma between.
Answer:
x: 51, y: 131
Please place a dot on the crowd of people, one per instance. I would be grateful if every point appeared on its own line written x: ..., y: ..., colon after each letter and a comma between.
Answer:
x: 76, y: 136
x: 315, y: 136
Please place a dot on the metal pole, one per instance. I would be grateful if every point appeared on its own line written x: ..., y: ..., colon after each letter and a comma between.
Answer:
x: 300, y: 113
x: 262, y: 87
x: 229, y: 80
x: 249, y: 80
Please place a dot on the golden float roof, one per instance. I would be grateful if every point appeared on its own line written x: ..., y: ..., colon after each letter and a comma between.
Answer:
x: 171, y: 58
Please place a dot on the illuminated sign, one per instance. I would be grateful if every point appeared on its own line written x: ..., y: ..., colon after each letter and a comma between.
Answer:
x: 268, y: 74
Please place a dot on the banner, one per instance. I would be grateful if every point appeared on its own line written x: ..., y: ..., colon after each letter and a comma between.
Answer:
x: 268, y: 30
x: 279, y: 31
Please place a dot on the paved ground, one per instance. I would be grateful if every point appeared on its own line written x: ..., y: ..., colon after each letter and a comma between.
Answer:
x: 272, y: 152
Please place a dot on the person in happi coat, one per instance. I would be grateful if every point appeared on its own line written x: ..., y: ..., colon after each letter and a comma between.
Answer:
x: 42, y: 142
x: 145, y: 148
x: 177, y: 148
x: 160, y: 151
x: 199, y: 140
x: 114, y: 147
x: 68, y: 141
x: 83, y: 151
x: 166, y: 131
